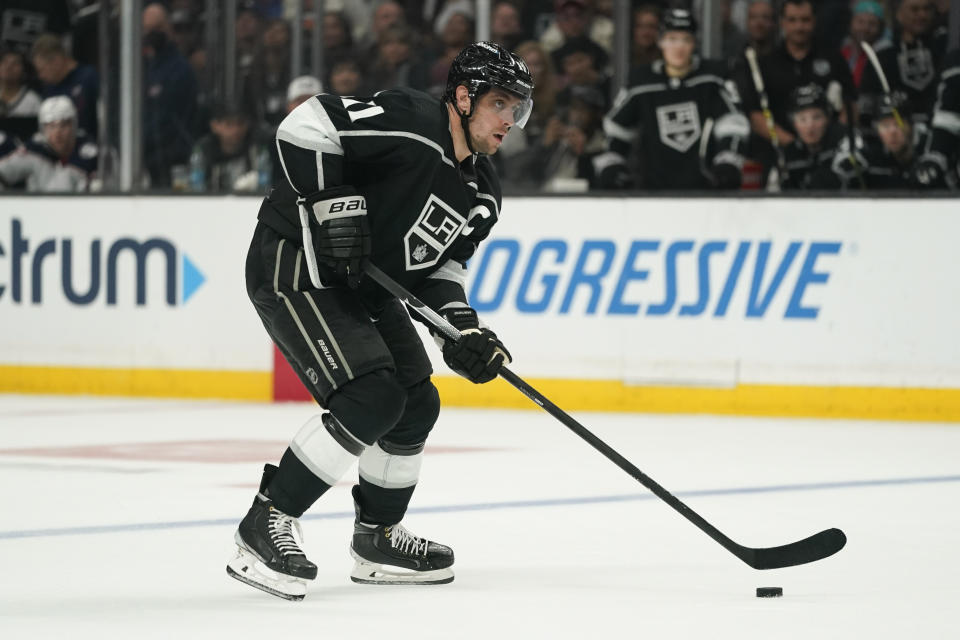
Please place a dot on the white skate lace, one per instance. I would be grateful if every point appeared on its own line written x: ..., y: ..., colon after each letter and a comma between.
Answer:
x: 281, y: 532
x: 406, y: 542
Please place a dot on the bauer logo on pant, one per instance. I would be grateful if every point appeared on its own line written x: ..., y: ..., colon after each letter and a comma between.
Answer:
x: 679, y: 125
x: 438, y: 226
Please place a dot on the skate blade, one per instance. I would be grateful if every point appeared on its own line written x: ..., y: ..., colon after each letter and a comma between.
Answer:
x: 248, y: 569
x: 373, y: 573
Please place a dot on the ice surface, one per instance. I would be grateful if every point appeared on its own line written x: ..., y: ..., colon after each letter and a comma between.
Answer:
x: 119, y: 516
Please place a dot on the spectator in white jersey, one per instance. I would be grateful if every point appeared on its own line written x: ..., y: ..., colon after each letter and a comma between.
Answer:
x: 59, y: 158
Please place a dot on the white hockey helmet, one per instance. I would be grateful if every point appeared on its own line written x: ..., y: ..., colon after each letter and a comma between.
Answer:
x: 56, y: 109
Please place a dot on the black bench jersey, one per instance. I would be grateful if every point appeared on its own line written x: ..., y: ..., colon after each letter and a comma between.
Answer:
x: 427, y: 212
x: 668, y: 117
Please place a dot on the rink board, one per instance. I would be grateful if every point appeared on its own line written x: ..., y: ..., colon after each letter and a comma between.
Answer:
x: 764, y: 306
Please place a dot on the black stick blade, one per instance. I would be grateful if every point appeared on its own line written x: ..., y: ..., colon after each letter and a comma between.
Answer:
x: 816, y: 547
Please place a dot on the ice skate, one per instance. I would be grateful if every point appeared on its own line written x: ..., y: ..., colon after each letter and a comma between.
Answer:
x: 389, y: 554
x: 269, y: 556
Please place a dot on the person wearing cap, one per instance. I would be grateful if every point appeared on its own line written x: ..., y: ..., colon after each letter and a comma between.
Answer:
x: 683, y: 114
x: 819, y: 155
x: 866, y: 25
x: 60, y: 158
x: 911, y: 60
x: 797, y: 61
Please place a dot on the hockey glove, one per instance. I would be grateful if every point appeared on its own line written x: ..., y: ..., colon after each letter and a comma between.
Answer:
x: 929, y: 174
x: 478, y: 355
x: 727, y: 176
x: 336, y: 236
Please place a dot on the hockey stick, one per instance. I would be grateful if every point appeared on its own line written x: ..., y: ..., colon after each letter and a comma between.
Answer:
x: 751, y: 56
x: 816, y: 547
x: 875, y: 63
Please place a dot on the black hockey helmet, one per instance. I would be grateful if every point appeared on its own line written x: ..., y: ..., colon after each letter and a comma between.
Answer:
x: 893, y: 105
x: 480, y: 66
x: 806, y: 96
x: 678, y: 20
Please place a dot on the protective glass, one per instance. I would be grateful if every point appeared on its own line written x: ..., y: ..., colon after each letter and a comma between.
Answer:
x: 521, y: 109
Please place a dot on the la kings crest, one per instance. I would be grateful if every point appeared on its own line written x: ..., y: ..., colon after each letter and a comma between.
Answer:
x: 679, y: 125
x: 437, y: 227
x: 916, y: 67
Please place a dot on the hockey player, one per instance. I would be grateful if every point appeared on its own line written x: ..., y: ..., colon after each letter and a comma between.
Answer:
x: 938, y: 165
x: 891, y: 160
x: 819, y: 157
x: 685, y: 113
x: 400, y: 179
x: 910, y: 61
x: 59, y: 158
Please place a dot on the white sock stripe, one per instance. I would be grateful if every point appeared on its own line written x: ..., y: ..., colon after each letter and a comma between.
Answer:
x: 320, y: 452
x: 388, y: 471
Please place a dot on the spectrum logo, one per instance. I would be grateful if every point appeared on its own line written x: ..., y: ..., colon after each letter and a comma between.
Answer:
x: 106, y: 270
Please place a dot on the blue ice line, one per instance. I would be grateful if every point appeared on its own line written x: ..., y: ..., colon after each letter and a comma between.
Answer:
x: 485, y: 506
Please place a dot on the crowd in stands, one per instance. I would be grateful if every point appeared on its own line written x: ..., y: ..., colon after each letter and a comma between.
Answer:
x: 824, y: 119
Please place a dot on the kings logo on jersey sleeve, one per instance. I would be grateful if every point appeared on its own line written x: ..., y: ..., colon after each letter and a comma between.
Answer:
x: 679, y: 125
x: 435, y: 230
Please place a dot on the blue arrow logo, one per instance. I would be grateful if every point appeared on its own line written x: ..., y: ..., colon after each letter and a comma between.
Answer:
x: 192, y: 278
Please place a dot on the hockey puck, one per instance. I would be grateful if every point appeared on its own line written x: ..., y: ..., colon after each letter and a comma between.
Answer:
x: 769, y: 592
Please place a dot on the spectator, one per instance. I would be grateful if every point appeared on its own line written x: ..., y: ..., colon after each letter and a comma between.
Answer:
x: 812, y: 157
x: 299, y: 90
x: 505, y: 27
x: 866, y: 25
x: 170, y: 100
x: 891, y: 159
x: 248, y: 30
x: 544, y: 88
x: 567, y: 163
x: 576, y: 18
x: 345, y: 77
x: 271, y: 75
x: 393, y: 63
x: 761, y: 27
x: 795, y: 62
x: 23, y: 21
x: 235, y: 155
x: 938, y: 166
x: 579, y: 60
x: 387, y: 14
x: 61, y: 75
x: 646, y: 33
x: 455, y: 33
x: 17, y: 100
x: 337, y: 37
x: 910, y: 61
x: 60, y: 158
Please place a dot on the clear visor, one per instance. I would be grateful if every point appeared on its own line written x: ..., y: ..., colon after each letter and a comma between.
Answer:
x: 521, y: 107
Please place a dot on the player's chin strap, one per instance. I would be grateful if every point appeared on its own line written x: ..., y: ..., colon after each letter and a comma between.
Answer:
x: 465, y: 121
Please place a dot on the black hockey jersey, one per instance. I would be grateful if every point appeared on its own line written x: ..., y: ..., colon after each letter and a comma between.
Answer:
x: 669, y: 117
x: 910, y: 68
x: 427, y: 212
x: 883, y: 170
x: 821, y: 168
x: 943, y: 146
